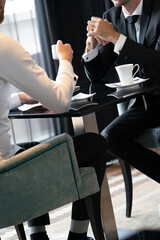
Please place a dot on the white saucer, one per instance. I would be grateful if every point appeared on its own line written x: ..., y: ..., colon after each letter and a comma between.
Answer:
x: 82, y: 96
x: 118, y: 85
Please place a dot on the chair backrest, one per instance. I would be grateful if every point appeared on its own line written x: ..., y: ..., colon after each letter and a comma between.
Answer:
x: 122, y: 107
x: 150, y: 138
x: 41, y: 179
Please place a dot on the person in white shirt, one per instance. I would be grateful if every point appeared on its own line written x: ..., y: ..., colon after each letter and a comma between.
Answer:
x: 110, y: 42
x: 19, y: 69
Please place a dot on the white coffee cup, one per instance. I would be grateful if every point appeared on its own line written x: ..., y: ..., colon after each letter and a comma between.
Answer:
x: 54, y: 51
x: 125, y: 73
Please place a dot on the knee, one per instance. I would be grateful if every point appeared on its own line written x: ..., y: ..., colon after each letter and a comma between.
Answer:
x: 96, y: 139
x: 110, y: 135
x: 113, y: 139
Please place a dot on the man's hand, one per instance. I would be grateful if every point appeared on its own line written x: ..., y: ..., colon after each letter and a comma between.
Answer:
x: 64, y: 51
x: 92, y: 41
x: 102, y: 30
x: 26, y: 99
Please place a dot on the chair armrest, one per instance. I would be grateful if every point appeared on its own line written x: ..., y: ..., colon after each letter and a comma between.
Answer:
x: 41, y: 148
x: 41, y: 179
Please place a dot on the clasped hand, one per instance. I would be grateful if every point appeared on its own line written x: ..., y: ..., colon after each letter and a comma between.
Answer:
x: 102, y: 31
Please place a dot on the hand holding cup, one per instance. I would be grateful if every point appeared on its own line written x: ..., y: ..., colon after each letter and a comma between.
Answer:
x: 62, y: 51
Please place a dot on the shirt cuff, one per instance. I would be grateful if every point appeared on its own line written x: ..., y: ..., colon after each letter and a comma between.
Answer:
x: 14, y: 101
x: 88, y: 56
x: 67, y: 68
x: 75, y: 77
x: 120, y: 43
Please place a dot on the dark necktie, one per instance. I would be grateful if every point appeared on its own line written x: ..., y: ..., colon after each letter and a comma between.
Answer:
x: 131, y: 26
x: 132, y: 34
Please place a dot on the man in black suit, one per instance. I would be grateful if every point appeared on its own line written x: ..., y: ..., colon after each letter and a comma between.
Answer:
x: 115, y: 46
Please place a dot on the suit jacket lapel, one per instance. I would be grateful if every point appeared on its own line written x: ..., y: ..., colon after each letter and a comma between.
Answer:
x: 145, y: 18
x: 144, y: 24
x: 122, y: 25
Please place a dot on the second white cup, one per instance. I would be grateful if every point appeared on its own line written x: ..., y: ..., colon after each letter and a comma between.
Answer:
x: 125, y: 73
x: 54, y: 51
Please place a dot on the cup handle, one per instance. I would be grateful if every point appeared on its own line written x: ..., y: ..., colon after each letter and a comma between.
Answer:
x: 136, y: 65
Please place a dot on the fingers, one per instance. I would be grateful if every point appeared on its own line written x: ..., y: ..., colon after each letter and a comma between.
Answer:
x: 105, y: 20
x: 100, y: 29
x: 99, y: 40
x: 93, y: 23
x: 94, y: 26
x: 59, y: 42
x: 96, y: 19
x: 61, y: 45
x: 64, y: 51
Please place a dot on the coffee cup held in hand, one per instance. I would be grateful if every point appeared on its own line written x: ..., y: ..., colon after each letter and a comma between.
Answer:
x: 125, y: 73
x: 54, y: 51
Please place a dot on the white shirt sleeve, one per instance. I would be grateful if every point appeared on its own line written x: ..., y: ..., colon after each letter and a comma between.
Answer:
x: 117, y: 48
x: 90, y: 55
x: 14, y: 101
x: 19, y: 69
x: 120, y: 43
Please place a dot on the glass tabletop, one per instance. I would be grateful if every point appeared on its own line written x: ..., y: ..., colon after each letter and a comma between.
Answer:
x: 104, y: 96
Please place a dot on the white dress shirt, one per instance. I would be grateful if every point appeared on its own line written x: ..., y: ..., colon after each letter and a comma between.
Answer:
x: 14, y: 101
x: 19, y: 69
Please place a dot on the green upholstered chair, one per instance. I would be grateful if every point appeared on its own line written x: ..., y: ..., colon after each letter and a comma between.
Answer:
x: 150, y: 138
x: 41, y: 179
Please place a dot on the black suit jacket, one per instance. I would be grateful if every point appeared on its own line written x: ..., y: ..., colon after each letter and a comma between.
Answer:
x: 146, y: 53
x: 143, y: 53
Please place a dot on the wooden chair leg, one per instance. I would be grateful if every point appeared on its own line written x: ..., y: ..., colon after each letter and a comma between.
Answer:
x: 94, y: 213
x: 20, y: 232
x: 127, y: 176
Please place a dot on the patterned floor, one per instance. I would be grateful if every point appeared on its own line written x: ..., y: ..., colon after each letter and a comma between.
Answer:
x: 144, y: 213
